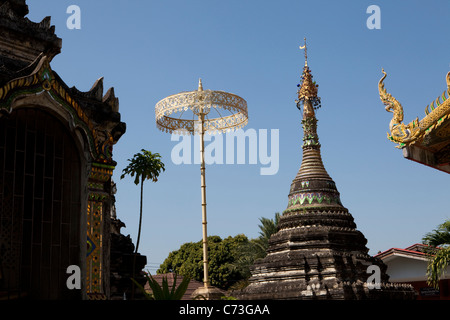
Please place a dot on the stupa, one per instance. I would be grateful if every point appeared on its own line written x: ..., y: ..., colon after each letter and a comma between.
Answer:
x: 317, y: 252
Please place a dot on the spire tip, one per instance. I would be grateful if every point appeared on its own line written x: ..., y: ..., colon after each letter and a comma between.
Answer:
x: 306, y: 52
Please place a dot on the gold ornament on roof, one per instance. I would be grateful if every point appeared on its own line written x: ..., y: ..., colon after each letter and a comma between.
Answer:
x: 408, y: 134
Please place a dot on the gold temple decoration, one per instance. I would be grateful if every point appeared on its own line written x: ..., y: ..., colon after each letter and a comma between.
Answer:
x: 201, y: 111
x: 308, y: 89
x: 416, y: 130
x: 197, y: 102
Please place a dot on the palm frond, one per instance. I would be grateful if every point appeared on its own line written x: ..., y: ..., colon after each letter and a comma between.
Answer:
x: 438, y: 237
x: 437, y: 266
x: 163, y: 291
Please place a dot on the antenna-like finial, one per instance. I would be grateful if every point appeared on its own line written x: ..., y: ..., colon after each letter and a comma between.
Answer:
x: 306, y: 53
x: 308, y: 87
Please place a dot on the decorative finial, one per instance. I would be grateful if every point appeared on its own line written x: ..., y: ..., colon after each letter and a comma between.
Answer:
x: 200, y: 86
x: 307, y: 88
x: 306, y: 52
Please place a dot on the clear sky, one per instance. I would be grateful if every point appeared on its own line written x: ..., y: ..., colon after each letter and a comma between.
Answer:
x: 148, y: 50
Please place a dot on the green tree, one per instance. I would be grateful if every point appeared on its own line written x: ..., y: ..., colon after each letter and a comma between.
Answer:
x: 255, y: 249
x: 439, y: 259
x: 439, y: 236
x: 188, y: 260
x: 267, y: 228
x: 229, y: 259
x: 143, y: 166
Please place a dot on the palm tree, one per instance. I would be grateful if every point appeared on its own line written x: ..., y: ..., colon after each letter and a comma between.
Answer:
x: 268, y: 227
x: 439, y: 259
x: 255, y: 248
x: 144, y: 166
x: 439, y: 236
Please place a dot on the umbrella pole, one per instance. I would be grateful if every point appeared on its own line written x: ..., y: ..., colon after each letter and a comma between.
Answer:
x: 203, y: 190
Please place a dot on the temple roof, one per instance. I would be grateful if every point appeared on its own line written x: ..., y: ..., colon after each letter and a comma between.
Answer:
x: 22, y: 40
x: 26, y: 51
x: 19, y: 7
x: 426, y: 141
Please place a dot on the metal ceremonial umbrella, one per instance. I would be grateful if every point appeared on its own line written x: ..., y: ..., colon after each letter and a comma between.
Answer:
x: 199, y: 112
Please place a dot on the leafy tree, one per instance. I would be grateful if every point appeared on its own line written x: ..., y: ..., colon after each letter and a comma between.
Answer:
x: 230, y: 259
x: 188, y: 260
x: 248, y: 253
x: 439, y: 259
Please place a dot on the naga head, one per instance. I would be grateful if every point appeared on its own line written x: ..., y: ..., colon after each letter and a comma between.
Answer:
x: 392, y: 104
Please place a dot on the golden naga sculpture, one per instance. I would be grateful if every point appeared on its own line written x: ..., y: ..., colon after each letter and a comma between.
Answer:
x: 407, y: 134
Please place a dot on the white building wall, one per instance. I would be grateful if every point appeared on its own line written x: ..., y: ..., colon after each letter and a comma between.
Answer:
x: 402, y: 269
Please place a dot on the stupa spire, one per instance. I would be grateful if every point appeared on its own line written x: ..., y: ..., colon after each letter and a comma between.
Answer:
x: 308, y: 101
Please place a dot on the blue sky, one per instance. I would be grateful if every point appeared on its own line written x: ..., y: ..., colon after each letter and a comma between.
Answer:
x: 148, y: 50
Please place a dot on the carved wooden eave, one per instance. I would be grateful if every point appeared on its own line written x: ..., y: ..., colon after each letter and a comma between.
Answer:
x: 426, y: 141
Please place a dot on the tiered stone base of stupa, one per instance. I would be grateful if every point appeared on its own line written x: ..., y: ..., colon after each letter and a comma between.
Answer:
x: 320, y: 255
x: 317, y: 252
